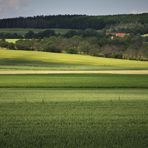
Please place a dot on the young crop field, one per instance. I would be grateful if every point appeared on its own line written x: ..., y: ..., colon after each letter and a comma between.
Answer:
x: 73, y: 110
x: 84, y: 124
x: 12, y: 59
x: 83, y: 110
x: 74, y: 81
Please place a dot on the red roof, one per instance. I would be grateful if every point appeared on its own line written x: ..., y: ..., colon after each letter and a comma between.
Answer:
x: 120, y: 34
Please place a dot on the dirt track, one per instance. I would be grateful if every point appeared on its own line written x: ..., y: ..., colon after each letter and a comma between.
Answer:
x: 73, y: 72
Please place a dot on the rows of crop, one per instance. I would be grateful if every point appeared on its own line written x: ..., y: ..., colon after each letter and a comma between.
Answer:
x: 74, y: 81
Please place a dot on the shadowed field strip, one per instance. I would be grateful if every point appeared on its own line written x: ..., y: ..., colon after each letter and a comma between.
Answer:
x: 73, y: 72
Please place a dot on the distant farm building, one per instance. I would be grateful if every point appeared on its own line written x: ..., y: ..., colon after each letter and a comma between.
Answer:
x: 118, y: 34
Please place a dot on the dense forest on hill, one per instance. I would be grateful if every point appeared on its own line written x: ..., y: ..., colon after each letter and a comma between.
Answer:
x: 80, y: 22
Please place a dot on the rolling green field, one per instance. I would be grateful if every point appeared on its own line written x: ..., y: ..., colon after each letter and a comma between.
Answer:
x: 84, y: 124
x: 23, y: 31
x: 74, y: 81
x: 46, y: 95
x: 74, y: 110
x: 145, y: 35
x: 12, y: 59
x: 12, y: 40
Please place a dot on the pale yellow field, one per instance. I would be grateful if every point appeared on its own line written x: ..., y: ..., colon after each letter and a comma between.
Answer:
x: 12, y: 40
x: 145, y: 35
x: 141, y: 72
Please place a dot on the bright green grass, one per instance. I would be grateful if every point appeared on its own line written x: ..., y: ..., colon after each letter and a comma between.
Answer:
x: 145, y: 35
x: 58, y: 61
x: 35, y: 118
x: 12, y: 40
x: 72, y: 112
x: 74, y: 81
x: 42, y: 95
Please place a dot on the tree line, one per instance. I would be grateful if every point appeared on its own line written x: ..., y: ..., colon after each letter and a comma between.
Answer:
x: 47, y: 33
x: 79, y: 22
x: 129, y: 47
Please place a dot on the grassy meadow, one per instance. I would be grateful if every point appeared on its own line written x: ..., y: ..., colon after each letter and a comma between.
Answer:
x: 84, y: 124
x: 74, y: 81
x: 12, y: 40
x: 12, y: 59
x: 71, y: 111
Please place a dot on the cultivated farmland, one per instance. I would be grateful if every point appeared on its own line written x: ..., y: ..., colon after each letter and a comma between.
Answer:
x: 71, y: 110
x: 17, y: 59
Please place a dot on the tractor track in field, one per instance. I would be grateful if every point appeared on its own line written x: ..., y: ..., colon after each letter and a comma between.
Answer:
x: 73, y: 72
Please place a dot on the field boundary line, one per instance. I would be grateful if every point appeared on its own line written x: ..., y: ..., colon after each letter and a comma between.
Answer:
x: 73, y: 72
